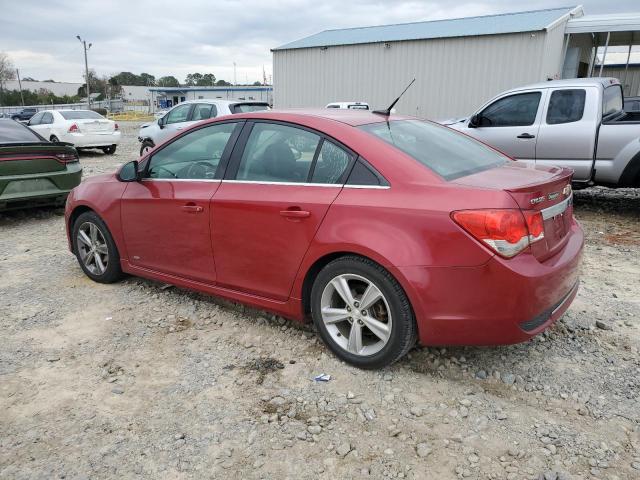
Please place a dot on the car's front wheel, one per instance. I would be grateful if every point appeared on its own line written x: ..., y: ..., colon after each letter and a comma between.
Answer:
x: 95, y: 249
x: 54, y: 139
x: 146, y: 147
x: 361, y: 313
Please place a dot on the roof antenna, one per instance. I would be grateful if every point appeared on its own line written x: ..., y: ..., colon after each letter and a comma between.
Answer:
x: 387, y: 112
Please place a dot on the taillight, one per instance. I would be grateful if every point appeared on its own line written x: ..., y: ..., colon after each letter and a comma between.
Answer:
x: 116, y: 127
x: 505, y: 231
x: 66, y: 157
x: 74, y: 128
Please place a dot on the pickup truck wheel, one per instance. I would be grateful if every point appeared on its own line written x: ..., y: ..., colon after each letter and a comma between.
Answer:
x: 146, y: 147
x: 16, y: 118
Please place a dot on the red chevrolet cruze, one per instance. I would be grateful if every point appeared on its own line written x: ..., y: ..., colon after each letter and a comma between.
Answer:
x: 384, y: 230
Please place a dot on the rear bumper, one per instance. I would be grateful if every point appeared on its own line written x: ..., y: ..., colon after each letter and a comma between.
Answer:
x: 84, y: 140
x: 18, y: 191
x: 500, y: 302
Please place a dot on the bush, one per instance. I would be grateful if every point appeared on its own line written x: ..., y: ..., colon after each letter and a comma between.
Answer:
x: 101, y: 111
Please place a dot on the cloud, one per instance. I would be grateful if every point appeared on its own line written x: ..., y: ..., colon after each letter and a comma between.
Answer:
x: 169, y: 38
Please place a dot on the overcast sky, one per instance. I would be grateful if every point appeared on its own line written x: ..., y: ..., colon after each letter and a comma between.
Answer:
x: 179, y: 37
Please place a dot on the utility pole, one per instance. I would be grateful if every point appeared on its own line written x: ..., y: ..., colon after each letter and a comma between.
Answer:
x: 86, y: 69
x: 234, y: 74
x: 20, y: 85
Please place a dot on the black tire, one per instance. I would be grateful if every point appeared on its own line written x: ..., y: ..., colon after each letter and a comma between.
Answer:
x: 145, y: 144
x: 113, y: 272
x: 53, y: 139
x: 403, y: 331
x: 15, y: 119
x: 110, y: 150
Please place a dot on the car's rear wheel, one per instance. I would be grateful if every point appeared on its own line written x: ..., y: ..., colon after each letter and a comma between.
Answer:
x: 146, y: 147
x: 110, y: 150
x: 362, y: 313
x: 95, y: 249
x: 54, y: 139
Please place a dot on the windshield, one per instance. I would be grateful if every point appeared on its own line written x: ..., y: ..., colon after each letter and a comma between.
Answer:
x: 448, y: 153
x: 81, y: 115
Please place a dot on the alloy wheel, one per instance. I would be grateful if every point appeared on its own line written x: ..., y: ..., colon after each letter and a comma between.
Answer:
x: 92, y: 247
x: 356, y: 314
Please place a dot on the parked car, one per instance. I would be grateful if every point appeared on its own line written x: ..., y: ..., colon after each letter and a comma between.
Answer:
x: 24, y: 114
x: 349, y: 105
x: 385, y: 230
x: 34, y: 171
x: 82, y: 128
x: 577, y: 123
x: 188, y: 113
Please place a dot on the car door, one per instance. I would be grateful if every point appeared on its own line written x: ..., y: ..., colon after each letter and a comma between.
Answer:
x: 510, y: 124
x: 46, y: 125
x: 270, y: 205
x: 173, y: 122
x: 570, y: 113
x: 165, y: 216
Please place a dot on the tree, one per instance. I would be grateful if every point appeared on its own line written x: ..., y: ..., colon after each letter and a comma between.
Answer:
x: 207, y: 80
x: 7, y: 70
x: 222, y: 83
x: 257, y: 84
x: 192, y: 79
x: 126, y: 78
x: 29, y: 79
x: 168, y: 81
x: 98, y: 85
x: 147, y: 79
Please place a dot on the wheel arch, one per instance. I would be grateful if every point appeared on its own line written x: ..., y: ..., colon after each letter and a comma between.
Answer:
x: 73, y: 216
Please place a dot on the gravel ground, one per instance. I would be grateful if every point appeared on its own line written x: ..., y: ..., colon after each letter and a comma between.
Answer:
x: 143, y: 380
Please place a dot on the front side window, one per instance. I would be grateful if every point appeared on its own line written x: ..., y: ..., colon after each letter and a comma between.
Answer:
x: 566, y: 106
x: 277, y: 153
x: 448, y: 153
x: 331, y: 164
x: 202, y: 111
x: 178, y: 114
x: 194, y: 156
x: 612, y: 100
x: 513, y: 111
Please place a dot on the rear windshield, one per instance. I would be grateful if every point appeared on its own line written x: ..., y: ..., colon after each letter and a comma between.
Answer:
x: 358, y: 107
x: 13, y: 132
x: 448, y: 153
x: 249, y: 107
x: 612, y: 100
x: 80, y: 115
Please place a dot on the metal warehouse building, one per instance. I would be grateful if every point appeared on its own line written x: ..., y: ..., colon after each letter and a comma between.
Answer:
x: 458, y: 64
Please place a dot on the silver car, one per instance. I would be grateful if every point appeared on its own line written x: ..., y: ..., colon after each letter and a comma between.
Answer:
x: 186, y: 114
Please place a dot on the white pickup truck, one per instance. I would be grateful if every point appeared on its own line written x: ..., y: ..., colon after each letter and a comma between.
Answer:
x: 578, y: 123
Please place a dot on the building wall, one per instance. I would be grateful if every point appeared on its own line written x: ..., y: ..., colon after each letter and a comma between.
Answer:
x: 57, y: 88
x: 453, y: 76
x: 631, y: 83
x: 552, y: 52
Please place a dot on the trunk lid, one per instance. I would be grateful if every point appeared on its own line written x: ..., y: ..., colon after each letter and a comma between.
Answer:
x: 534, y: 188
x: 94, y: 125
x: 33, y: 158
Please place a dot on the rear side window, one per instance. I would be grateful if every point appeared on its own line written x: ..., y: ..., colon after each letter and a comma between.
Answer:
x: 331, y: 164
x: 202, y: 111
x: 612, y: 100
x: 513, y: 111
x: 249, y: 107
x: 278, y: 153
x: 448, y: 153
x: 566, y: 106
x: 47, y: 118
x: 364, y: 175
x: 13, y: 132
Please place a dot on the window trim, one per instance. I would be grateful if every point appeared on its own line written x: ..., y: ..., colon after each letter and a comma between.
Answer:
x: 513, y: 94
x: 548, y: 102
x: 224, y: 159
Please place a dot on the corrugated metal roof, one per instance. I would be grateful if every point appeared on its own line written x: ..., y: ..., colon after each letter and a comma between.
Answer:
x: 530, y: 21
x: 617, y: 22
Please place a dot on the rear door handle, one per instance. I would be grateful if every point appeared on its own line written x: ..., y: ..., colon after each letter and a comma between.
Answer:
x: 526, y: 135
x: 294, y: 213
x: 192, y: 208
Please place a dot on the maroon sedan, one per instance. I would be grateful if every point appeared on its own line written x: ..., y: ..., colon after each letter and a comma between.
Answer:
x: 384, y: 230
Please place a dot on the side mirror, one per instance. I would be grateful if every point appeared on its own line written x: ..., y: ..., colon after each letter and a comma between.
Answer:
x: 475, y: 120
x: 162, y: 121
x: 129, y: 172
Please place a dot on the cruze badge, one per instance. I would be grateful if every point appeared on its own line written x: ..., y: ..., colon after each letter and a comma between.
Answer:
x: 537, y: 200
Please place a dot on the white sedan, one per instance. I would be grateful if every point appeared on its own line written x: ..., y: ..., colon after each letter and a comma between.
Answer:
x: 83, y: 128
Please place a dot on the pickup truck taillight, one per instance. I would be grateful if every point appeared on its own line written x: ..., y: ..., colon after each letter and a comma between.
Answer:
x: 74, y: 128
x: 67, y: 157
x: 505, y: 231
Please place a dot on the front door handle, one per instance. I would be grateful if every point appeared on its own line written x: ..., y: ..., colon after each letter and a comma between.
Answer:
x: 526, y: 135
x: 294, y: 213
x: 192, y: 208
